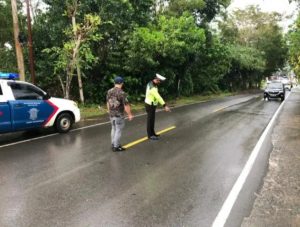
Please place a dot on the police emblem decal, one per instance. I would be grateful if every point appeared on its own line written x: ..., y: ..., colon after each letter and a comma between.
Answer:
x: 33, y: 114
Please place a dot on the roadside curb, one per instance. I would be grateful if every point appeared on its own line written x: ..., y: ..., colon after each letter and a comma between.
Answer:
x: 277, y: 202
x: 231, y: 199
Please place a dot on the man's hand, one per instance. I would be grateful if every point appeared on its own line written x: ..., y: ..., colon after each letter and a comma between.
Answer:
x: 130, y: 117
x: 167, y: 109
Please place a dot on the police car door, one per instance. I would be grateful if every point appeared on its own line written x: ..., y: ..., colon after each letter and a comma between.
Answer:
x: 5, y: 121
x: 29, y: 109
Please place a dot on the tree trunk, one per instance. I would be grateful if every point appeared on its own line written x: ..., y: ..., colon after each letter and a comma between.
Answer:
x: 71, y: 66
x: 67, y: 86
x: 19, y: 51
x: 62, y: 85
x: 178, y: 87
x: 80, y: 84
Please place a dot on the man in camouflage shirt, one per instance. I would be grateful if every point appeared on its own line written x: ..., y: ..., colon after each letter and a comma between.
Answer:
x: 117, y: 104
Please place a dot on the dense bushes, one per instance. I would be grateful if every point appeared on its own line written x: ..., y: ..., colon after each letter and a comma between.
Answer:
x: 139, y: 38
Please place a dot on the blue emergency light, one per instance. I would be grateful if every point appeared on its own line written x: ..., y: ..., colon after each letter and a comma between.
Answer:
x: 9, y: 76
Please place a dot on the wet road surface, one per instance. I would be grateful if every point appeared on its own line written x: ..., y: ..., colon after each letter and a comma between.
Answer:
x: 181, y: 180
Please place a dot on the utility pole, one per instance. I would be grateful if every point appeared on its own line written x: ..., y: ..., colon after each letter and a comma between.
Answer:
x: 19, y: 53
x: 31, y: 55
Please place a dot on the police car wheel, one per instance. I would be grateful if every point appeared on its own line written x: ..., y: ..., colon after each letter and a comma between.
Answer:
x: 64, y: 123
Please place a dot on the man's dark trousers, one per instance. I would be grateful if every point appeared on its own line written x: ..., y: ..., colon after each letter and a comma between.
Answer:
x: 150, y: 109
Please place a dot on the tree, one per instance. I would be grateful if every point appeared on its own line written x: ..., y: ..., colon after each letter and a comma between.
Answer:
x: 72, y: 11
x: 204, y: 10
x: 246, y: 70
x: 212, y: 8
x: 168, y: 46
x: 6, y: 32
x: 259, y: 30
x: 212, y: 63
x: 69, y: 56
x: 297, y: 1
x: 294, y: 47
x: 138, y: 40
x: 7, y: 49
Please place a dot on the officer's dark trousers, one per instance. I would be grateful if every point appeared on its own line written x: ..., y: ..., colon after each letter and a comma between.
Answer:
x: 150, y: 109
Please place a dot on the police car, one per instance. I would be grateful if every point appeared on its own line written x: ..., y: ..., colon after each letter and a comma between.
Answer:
x: 24, y: 106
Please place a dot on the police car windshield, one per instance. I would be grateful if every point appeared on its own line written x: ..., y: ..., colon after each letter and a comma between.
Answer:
x: 23, y: 91
x: 275, y: 86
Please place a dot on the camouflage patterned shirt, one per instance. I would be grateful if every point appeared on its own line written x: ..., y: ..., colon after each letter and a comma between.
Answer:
x: 116, y: 99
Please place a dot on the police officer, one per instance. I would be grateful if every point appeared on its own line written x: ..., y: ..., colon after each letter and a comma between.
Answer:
x: 117, y: 103
x: 152, y: 99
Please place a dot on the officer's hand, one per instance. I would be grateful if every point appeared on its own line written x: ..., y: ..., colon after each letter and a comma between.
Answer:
x: 167, y: 109
x: 130, y: 117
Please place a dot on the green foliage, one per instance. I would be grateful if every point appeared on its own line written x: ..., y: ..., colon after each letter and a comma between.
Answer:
x: 212, y: 8
x: 246, y: 71
x: 169, y: 45
x: 204, y: 10
x: 75, y: 51
x: 8, y: 60
x: 7, y: 54
x: 136, y: 40
x: 6, y: 32
x: 247, y: 58
x: 294, y: 47
x: 211, y: 65
x: 178, y: 7
x: 257, y: 46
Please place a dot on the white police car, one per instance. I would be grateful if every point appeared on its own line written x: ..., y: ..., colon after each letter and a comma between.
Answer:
x: 24, y: 106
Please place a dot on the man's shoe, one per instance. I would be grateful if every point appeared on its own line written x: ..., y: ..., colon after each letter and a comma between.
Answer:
x: 118, y: 149
x: 157, y: 135
x: 153, y: 138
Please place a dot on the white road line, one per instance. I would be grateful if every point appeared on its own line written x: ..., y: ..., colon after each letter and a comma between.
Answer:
x: 55, y: 134
x: 24, y: 141
x: 224, y: 213
x: 95, y: 125
x: 86, y: 127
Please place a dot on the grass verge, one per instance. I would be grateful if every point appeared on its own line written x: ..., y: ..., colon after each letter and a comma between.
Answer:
x: 94, y: 110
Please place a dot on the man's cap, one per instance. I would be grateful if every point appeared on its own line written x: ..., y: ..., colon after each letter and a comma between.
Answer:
x: 119, y: 80
x: 160, y: 77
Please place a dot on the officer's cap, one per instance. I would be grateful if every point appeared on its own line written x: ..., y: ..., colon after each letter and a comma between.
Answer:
x: 160, y: 77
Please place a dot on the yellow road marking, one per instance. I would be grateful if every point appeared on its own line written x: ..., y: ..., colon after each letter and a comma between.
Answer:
x: 146, y: 138
x: 220, y: 109
x: 135, y: 142
x: 166, y: 130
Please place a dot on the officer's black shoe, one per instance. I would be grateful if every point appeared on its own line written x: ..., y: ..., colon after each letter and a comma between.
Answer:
x: 157, y: 135
x: 118, y: 149
x: 153, y: 138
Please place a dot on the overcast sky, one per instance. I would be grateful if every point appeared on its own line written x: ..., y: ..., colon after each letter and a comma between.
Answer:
x: 281, y: 6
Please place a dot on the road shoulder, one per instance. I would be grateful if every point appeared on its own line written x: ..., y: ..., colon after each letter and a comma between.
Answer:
x: 278, y: 201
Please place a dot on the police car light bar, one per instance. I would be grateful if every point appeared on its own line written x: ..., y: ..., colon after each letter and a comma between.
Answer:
x: 9, y: 76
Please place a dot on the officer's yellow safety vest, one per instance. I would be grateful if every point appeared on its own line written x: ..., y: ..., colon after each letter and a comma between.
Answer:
x: 152, y: 95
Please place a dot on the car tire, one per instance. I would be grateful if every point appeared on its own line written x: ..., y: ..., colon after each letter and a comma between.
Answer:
x: 64, y: 123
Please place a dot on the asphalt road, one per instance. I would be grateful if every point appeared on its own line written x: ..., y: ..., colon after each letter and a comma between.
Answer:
x: 183, y: 179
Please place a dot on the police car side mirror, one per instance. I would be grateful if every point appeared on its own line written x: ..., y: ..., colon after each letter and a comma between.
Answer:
x: 46, y: 96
